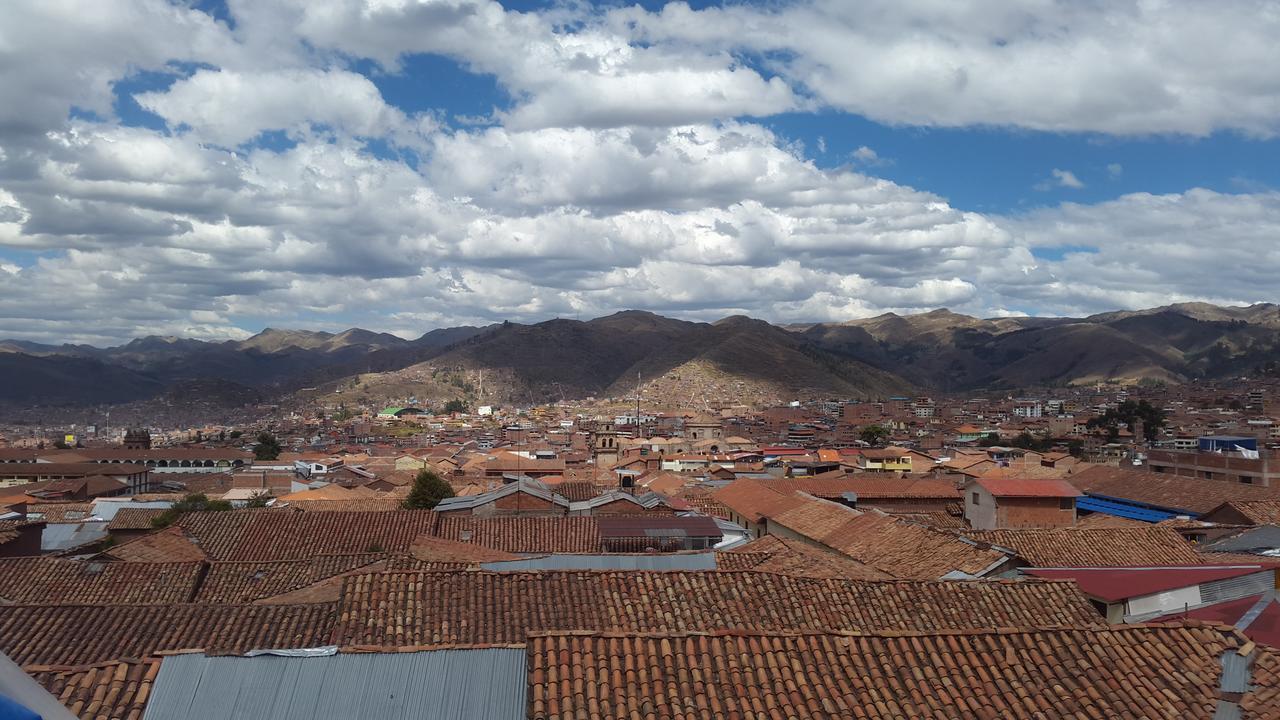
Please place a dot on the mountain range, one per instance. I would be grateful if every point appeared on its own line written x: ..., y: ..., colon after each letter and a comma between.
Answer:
x: 565, y: 359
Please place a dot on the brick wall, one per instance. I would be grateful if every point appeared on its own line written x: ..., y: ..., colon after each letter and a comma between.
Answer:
x: 1033, y: 513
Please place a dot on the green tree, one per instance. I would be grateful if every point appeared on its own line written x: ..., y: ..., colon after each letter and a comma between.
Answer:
x: 455, y: 406
x: 1129, y: 413
x: 196, y: 502
x: 428, y: 490
x: 259, y: 500
x: 268, y: 448
x: 1027, y: 441
x: 235, y: 435
x: 873, y: 434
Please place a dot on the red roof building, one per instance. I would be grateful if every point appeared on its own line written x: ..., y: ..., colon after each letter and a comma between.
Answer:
x: 1141, y: 593
x: 1257, y: 616
x: 999, y: 503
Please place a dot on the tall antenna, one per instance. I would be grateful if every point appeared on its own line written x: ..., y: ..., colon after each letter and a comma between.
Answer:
x: 637, y: 405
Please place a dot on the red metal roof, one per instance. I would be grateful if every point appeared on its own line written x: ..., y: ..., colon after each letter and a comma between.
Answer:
x: 1264, y: 630
x: 622, y: 526
x: 1115, y: 584
x: 1017, y: 487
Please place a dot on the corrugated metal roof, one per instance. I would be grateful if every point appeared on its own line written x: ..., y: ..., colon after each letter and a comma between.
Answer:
x: 440, y: 684
x: 654, y: 561
x: 1255, y: 540
x: 64, y: 536
x: 1115, y: 584
x: 1093, y: 503
x: 107, y: 509
x: 524, y: 484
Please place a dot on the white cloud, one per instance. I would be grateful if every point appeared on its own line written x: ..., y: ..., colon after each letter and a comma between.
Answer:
x: 1060, y: 178
x: 231, y: 108
x: 55, y: 54
x: 866, y: 157
x: 1129, y: 67
x: 588, y: 75
x: 1115, y: 170
x: 622, y: 175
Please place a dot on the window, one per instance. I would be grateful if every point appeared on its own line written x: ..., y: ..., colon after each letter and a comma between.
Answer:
x: 975, y: 499
x: 1066, y: 503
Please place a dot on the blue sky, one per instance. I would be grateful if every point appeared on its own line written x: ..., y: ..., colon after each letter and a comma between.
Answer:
x: 988, y: 168
x: 209, y: 170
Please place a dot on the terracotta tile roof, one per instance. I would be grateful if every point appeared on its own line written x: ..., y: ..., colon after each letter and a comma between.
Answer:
x: 48, y: 580
x: 869, y: 487
x: 1224, y: 558
x: 512, y: 463
x: 329, y: 492
x: 108, y: 691
x: 246, y: 582
x: 1265, y: 698
x: 427, y: 548
x: 939, y: 519
x: 172, y: 544
x: 59, y: 512
x: 1022, y: 487
x: 793, y: 557
x: 1167, y: 491
x: 897, y: 547
x: 707, y: 505
x: 87, y: 634
x: 1026, y: 471
x: 404, y: 609
x: 754, y: 499
x: 576, y: 491
x: 1103, y: 520
x: 1258, y: 512
x: 368, y: 504
x: 745, y: 559
x: 134, y: 518
x: 9, y: 529
x: 1093, y: 547
x: 409, y: 563
x: 524, y: 534
x: 1148, y: 671
x: 268, y: 534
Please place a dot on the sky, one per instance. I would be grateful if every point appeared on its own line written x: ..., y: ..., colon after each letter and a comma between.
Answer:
x: 207, y: 169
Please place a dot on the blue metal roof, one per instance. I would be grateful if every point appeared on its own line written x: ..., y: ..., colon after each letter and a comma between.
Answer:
x: 1144, y: 505
x: 1093, y: 503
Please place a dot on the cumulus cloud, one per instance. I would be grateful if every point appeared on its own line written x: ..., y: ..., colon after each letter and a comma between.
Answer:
x: 626, y: 171
x: 230, y: 108
x: 55, y: 55
x: 1128, y: 67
